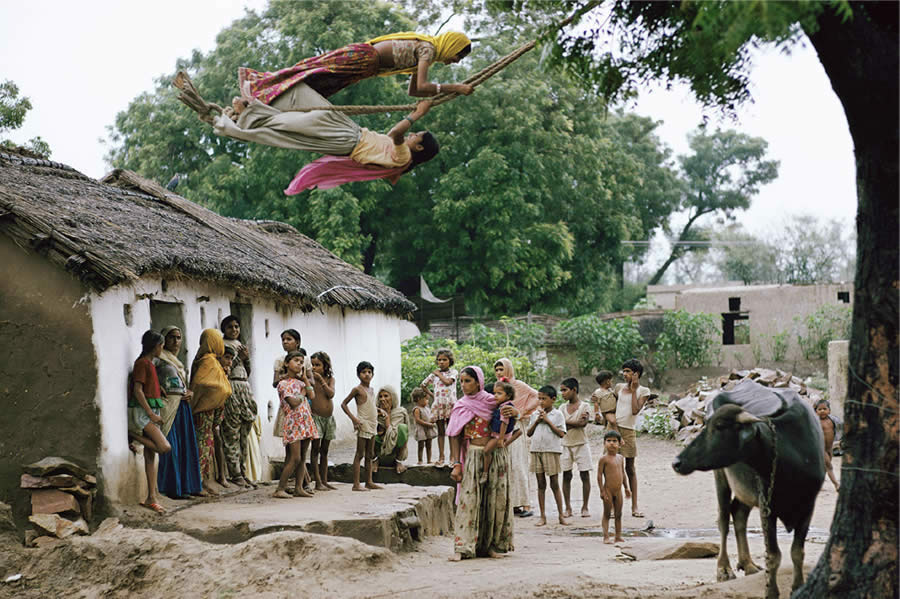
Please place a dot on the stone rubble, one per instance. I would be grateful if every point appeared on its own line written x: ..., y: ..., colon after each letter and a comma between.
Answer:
x: 62, y: 498
x: 687, y: 412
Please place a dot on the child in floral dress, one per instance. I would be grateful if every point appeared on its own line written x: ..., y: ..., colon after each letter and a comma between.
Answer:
x: 298, y: 428
x: 444, y: 381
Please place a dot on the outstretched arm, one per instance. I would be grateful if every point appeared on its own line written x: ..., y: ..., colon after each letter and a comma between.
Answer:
x: 398, y: 131
x: 421, y: 87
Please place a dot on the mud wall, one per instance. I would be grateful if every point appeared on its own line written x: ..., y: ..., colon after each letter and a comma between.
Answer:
x: 48, y: 377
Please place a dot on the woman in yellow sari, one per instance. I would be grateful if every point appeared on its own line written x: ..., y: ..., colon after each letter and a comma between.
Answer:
x: 210, y: 388
x: 394, y: 54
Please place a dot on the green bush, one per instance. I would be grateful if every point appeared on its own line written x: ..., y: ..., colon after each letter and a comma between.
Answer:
x: 658, y: 423
x: 602, y: 344
x: 816, y: 330
x: 417, y: 361
x: 780, y: 342
x: 688, y: 340
x: 521, y: 338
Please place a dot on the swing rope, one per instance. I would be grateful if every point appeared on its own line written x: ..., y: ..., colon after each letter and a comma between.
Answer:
x: 190, y: 97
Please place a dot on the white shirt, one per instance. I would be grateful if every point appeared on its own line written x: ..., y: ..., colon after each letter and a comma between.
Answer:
x: 544, y: 439
x: 624, y: 416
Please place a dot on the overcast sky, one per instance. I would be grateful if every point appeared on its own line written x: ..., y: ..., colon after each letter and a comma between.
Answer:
x: 80, y: 63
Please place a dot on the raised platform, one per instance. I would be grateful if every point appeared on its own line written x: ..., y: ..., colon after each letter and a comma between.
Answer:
x: 417, y: 476
x: 393, y: 517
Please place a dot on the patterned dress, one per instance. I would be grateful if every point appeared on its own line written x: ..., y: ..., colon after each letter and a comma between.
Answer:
x: 298, y: 422
x: 484, y: 513
x: 444, y: 395
x: 240, y: 413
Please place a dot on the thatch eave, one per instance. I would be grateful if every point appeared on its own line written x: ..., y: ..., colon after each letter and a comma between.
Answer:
x: 125, y: 227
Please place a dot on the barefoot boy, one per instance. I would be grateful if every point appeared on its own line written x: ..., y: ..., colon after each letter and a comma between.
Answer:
x: 831, y: 426
x: 546, y: 429
x: 576, y: 452
x: 630, y: 398
x: 365, y: 423
x: 610, y: 478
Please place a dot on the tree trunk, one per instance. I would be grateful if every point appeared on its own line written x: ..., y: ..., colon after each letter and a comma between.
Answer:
x: 860, y: 559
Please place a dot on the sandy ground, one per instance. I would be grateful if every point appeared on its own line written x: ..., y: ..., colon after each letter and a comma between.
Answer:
x: 555, y: 561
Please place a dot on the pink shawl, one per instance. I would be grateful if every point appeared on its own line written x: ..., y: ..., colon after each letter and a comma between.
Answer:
x: 330, y: 171
x: 479, y: 404
x: 526, y: 400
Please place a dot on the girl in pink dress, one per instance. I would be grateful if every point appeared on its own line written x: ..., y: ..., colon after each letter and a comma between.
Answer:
x: 298, y: 428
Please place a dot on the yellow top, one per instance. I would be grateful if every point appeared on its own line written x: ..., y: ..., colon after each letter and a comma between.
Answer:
x: 446, y: 45
x: 378, y: 148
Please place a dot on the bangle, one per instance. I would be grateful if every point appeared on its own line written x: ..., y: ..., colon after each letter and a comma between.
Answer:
x: 411, y: 121
x: 438, y: 87
x: 454, y: 464
x: 310, y: 387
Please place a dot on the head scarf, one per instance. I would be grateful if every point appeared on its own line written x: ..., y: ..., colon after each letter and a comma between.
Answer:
x: 398, y: 416
x: 480, y: 403
x: 208, y: 379
x: 446, y: 45
x: 171, y: 358
x: 526, y: 400
x: 330, y: 171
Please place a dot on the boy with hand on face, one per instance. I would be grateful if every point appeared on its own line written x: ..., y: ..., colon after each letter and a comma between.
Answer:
x: 546, y: 430
x: 630, y: 398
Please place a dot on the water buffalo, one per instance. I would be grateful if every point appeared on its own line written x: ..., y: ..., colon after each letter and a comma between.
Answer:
x: 738, y: 443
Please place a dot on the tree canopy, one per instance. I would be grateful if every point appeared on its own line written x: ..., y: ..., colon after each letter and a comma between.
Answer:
x: 536, y: 184
x: 13, y: 110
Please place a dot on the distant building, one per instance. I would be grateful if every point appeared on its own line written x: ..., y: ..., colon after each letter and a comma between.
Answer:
x: 752, y: 314
x: 88, y: 266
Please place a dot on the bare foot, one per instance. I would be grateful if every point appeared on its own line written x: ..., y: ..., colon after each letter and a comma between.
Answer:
x: 321, y: 487
x: 401, y: 468
x: 562, y: 521
x: 210, y: 492
x: 281, y: 495
x: 358, y: 488
x: 607, y: 540
x: 419, y: 463
x: 568, y: 513
x: 542, y: 522
x: 301, y: 492
x: 619, y: 540
x: 329, y: 487
x: 373, y: 486
x: 585, y: 513
x: 456, y: 557
x: 637, y: 514
x: 223, y: 482
x: 494, y: 555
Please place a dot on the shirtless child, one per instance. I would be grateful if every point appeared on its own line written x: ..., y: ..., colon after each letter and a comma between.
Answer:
x: 830, y: 430
x: 365, y: 423
x: 610, y: 478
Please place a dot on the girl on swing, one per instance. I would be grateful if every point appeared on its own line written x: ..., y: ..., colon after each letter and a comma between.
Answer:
x: 397, y: 53
x: 353, y: 153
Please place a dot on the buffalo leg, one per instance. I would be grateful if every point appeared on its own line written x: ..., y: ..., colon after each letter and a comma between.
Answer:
x: 740, y: 512
x: 723, y: 495
x: 773, y: 554
x: 797, y: 552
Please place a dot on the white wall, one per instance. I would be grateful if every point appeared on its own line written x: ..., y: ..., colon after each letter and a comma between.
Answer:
x: 347, y: 336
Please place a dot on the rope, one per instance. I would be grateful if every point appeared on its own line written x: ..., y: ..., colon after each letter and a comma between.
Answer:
x: 190, y: 97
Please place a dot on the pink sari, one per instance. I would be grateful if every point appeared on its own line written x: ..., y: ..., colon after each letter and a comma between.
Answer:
x: 330, y: 171
x: 479, y: 404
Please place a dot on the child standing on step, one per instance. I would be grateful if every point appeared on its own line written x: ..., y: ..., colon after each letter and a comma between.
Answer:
x: 425, y: 426
x: 444, y: 381
x: 298, y: 427
x: 365, y: 423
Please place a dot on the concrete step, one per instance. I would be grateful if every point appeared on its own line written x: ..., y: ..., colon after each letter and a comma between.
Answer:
x: 394, y: 517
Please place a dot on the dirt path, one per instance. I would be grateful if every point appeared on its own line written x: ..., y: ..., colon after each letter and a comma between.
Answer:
x: 555, y: 561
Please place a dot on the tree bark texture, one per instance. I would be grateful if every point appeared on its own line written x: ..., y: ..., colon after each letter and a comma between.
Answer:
x: 860, y: 559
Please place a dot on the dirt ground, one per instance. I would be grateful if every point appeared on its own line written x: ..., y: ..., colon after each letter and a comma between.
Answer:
x: 555, y: 561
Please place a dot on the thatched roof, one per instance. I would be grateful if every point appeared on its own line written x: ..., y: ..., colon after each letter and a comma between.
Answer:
x: 124, y: 227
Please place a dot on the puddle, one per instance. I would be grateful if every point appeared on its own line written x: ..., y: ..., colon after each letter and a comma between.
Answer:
x: 694, y: 533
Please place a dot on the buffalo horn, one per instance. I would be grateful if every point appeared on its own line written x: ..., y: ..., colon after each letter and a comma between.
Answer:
x: 746, y: 418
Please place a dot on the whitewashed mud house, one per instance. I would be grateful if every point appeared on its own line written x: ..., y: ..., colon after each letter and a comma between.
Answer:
x: 88, y: 266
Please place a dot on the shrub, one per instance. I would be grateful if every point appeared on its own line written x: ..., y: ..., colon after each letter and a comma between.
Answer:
x: 602, y: 344
x: 417, y: 361
x: 780, y: 343
x: 688, y: 340
x: 816, y: 330
x: 658, y: 423
x: 519, y: 337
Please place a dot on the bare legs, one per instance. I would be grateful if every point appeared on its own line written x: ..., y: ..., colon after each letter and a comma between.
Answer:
x: 426, y: 445
x: 154, y: 442
x: 554, y: 486
x: 323, y: 464
x: 441, y: 430
x: 631, y: 473
x: 364, y: 448
x: 585, y: 492
x: 612, y: 506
